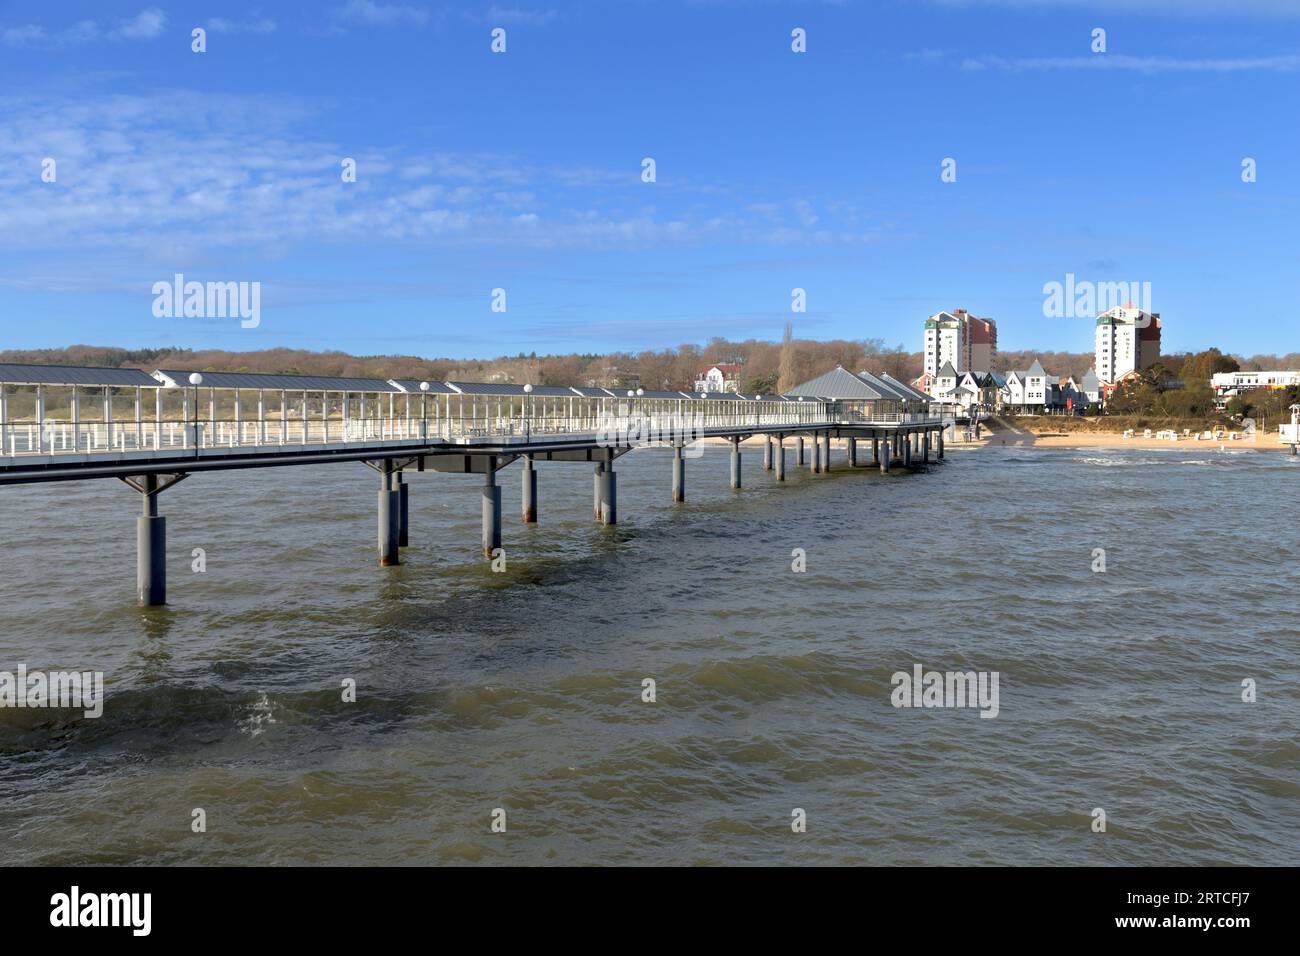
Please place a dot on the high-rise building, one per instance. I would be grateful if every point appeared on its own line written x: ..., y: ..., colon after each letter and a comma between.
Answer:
x: 1128, y: 340
x: 967, y: 341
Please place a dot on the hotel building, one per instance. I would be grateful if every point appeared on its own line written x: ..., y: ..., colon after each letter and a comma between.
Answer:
x: 1128, y: 340
x: 967, y: 341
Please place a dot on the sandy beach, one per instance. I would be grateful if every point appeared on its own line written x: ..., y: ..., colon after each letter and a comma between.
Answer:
x: 1027, y: 439
x: 1259, y: 442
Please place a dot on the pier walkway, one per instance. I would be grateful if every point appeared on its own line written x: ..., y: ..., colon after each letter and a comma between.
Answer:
x: 151, y: 430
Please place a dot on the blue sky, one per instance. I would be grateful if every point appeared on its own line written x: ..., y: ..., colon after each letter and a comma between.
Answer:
x: 522, y: 170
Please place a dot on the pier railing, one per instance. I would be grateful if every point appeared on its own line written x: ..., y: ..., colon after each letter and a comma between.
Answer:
x: 62, y: 437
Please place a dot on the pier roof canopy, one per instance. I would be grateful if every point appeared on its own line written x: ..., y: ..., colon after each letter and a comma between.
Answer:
x: 289, y: 383
x: 908, y: 391
x: 91, y: 376
x: 841, y: 383
x: 413, y: 385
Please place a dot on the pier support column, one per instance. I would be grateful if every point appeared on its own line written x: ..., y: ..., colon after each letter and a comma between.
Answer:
x: 940, y: 444
x: 151, y: 548
x: 491, y: 510
x: 798, y: 452
x: 767, y: 452
x: 403, y: 500
x: 815, y: 455
x: 609, y: 493
x: 735, y: 464
x: 530, y: 491
x: 853, y: 452
x: 780, y: 457
x: 826, y: 453
x: 907, y: 450
x: 679, y: 475
x: 925, y: 447
x: 390, y: 518
x: 875, y: 448
x: 884, y: 458
x: 595, y: 506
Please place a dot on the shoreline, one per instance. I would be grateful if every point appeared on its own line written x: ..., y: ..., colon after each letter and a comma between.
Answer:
x: 1113, y: 440
x: 1117, y: 440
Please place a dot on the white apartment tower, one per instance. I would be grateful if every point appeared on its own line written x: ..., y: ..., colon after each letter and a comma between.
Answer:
x: 968, y: 342
x: 1128, y: 340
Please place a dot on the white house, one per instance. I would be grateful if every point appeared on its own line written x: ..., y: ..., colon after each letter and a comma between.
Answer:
x: 1091, y: 388
x: 719, y: 378
x: 945, y: 380
x: 1015, y: 388
x: 1033, y: 390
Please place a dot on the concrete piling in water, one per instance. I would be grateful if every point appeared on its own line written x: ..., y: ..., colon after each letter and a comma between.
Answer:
x: 780, y: 458
x: 940, y: 443
x: 815, y: 456
x: 390, y: 519
x: 907, y: 450
x: 609, y: 493
x: 925, y: 447
x: 491, y: 511
x: 875, y: 449
x: 151, y: 549
x: 735, y: 464
x: 403, y: 520
x: 826, y: 454
x: 596, y: 492
x: 530, y: 491
x: 679, y: 475
x: 853, y: 452
x: 767, y: 452
x: 884, y: 458
x: 798, y: 452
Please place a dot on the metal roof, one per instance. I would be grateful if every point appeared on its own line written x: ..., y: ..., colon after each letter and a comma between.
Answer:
x: 594, y: 392
x: 413, y: 385
x: 907, y: 390
x: 664, y: 393
x: 888, y: 389
x: 562, y: 391
x: 290, y: 383
x: 12, y: 374
x: 487, y: 388
x: 841, y: 383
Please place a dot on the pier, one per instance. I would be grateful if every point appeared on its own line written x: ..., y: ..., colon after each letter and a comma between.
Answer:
x: 152, y: 430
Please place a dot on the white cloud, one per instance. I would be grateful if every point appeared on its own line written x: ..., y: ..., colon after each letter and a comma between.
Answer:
x: 1141, y: 64
x: 371, y: 13
x: 19, y: 36
x: 258, y: 25
x: 1282, y: 9
x: 148, y: 24
x: 519, y: 16
x: 255, y: 180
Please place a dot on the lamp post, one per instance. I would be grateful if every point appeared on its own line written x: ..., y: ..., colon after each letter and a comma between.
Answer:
x: 424, y: 415
x: 528, y: 411
x: 196, y: 379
